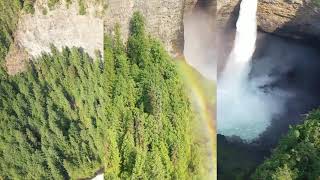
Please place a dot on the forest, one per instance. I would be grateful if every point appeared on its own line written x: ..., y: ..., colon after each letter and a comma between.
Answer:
x: 298, y: 154
x: 125, y: 112
x: 8, y: 21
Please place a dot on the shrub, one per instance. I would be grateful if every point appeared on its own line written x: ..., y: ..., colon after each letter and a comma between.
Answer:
x: 297, y: 155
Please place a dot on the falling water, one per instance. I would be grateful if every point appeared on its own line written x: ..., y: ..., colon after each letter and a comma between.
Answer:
x: 243, y: 110
x: 244, y: 46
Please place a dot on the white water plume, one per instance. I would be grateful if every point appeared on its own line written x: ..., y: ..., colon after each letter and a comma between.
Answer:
x: 244, y: 109
x: 199, y: 46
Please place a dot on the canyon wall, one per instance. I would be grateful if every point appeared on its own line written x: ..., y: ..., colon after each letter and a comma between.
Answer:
x: 164, y: 19
x: 72, y: 25
x: 295, y: 19
x: 298, y: 19
x: 62, y: 26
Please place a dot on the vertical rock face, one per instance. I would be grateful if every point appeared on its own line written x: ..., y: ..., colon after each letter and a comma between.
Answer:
x: 295, y: 18
x: 189, y: 5
x: 291, y: 18
x: 227, y: 11
x: 226, y: 17
x: 63, y: 25
x: 164, y: 19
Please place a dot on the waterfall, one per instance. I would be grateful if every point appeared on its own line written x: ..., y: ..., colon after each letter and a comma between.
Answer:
x: 243, y: 110
x: 246, y: 32
x: 244, y: 46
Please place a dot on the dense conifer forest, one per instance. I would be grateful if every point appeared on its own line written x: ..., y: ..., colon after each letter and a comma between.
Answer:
x: 125, y: 112
x: 9, y: 13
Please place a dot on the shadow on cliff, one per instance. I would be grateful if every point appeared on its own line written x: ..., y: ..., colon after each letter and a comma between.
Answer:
x: 209, y: 6
x: 294, y: 55
x: 301, y: 28
x: 293, y: 65
x: 225, y: 37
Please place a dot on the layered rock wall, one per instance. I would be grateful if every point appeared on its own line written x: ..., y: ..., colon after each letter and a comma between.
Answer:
x: 65, y: 25
x: 299, y: 19
x: 61, y: 27
x: 164, y: 19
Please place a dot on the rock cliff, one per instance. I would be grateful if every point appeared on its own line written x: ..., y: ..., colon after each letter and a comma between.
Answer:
x: 84, y: 25
x: 299, y: 19
x: 295, y: 18
x: 62, y: 26
x: 164, y: 19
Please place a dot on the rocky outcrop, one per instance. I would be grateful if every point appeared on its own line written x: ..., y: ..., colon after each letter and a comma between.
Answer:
x: 226, y: 17
x: 227, y: 13
x: 299, y: 19
x: 61, y: 27
x: 164, y: 19
x: 293, y: 18
x: 190, y: 4
x: 84, y: 26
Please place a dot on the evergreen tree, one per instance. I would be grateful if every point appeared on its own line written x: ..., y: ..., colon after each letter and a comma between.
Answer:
x: 298, y: 154
x: 68, y: 116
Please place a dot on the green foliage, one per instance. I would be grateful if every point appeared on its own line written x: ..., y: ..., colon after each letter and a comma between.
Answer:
x: 68, y: 116
x: 8, y: 20
x: 44, y: 11
x: 52, y: 3
x: 316, y: 2
x: 82, y: 7
x: 297, y: 155
x: 137, y: 41
x: 68, y: 2
x: 137, y: 26
x: 28, y: 6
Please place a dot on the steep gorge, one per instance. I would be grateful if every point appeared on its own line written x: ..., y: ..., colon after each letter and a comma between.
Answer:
x: 287, y: 53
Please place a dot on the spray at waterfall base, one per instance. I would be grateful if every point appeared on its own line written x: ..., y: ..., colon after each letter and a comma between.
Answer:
x: 198, y: 69
x: 244, y: 109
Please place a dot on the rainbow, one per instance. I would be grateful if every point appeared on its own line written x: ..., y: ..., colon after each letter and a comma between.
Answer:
x: 203, y: 97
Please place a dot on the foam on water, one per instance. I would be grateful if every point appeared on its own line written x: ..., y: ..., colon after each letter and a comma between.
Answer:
x: 243, y: 109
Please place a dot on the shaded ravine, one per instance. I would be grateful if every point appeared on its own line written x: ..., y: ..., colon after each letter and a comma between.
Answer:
x: 294, y: 67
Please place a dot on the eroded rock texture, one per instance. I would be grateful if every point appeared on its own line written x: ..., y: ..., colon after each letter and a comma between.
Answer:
x: 65, y: 25
x: 164, y: 19
x: 293, y: 18
x: 299, y: 19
